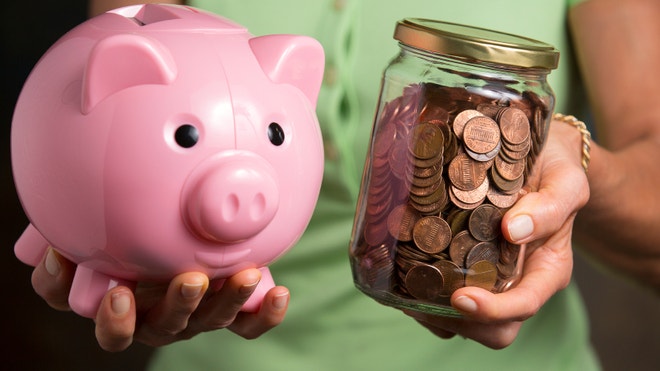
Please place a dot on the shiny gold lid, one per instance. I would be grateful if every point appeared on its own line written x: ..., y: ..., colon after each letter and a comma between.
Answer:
x: 476, y: 43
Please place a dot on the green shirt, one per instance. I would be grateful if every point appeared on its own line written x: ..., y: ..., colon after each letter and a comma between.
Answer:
x: 330, y: 324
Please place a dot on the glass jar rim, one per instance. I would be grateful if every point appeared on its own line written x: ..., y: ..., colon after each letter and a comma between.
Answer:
x: 475, y: 43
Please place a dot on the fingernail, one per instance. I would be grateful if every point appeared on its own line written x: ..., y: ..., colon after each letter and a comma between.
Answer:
x: 465, y: 304
x: 249, y: 288
x: 191, y: 290
x: 52, y: 264
x: 280, y: 301
x: 521, y: 227
x: 121, y: 303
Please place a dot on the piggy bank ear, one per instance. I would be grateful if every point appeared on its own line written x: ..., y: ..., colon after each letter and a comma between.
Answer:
x: 290, y: 59
x: 122, y: 61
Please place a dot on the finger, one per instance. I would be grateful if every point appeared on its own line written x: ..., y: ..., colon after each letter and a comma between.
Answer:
x: 115, y: 320
x: 52, y: 278
x: 427, y: 321
x: 492, y: 335
x: 170, y: 317
x: 221, y: 308
x: 271, y: 313
x: 546, y: 271
x: 562, y: 190
x: 539, y: 215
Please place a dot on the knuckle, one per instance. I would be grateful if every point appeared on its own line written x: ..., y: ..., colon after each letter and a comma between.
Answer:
x: 217, y: 323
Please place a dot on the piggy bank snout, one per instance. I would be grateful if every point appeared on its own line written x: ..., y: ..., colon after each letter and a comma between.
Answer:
x: 232, y: 199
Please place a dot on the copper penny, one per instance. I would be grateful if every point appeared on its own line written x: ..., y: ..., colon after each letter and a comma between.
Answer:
x: 457, y: 219
x: 509, y: 170
x: 483, y: 251
x: 426, y: 141
x: 481, y: 134
x: 460, y: 246
x: 476, y: 195
x: 506, y: 186
x: 514, y: 125
x: 485, y: 222
x: 501, y: 200
x: 452, y: 274
x: 461, y: 119
x: 432, y: 234
x: 433, y: 112
x: 401, y: 222
x: 466, y: 173
x: 424, y: 282
x: 384, y: 138
x: 481, y: 274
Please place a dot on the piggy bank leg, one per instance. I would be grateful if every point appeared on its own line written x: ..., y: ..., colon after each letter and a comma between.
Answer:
x: 254, y: 302
x: 31, y: 246
x: 88, y: 289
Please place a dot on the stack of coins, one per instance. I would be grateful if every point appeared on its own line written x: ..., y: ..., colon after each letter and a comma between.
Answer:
x: 445, y: 165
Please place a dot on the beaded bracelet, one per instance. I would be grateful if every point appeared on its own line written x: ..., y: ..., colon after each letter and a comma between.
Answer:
x: 586, y: 136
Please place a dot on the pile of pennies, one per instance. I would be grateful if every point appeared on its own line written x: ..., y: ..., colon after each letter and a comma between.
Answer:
x: 445, y: 165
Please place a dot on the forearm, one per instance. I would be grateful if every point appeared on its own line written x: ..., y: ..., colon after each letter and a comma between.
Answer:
x: 620, y: 225
x: 620, y: 62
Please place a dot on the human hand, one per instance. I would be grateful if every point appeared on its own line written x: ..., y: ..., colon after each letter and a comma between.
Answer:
x: 160, y: 314
x: 543, y: 220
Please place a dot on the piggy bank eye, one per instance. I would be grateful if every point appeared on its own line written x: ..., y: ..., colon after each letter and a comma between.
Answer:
x: 186, y: 136
x: 275, y: 134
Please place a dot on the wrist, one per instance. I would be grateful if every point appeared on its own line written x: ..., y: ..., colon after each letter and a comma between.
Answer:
x: 585, y: 136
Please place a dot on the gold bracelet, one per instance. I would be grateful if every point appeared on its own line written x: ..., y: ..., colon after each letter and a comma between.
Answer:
x: 586, y: 136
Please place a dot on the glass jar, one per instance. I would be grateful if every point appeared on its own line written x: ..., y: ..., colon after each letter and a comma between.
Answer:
x: 463, y: 114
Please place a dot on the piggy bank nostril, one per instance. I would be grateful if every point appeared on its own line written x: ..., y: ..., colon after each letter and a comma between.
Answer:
x: 230, y: 207
x: 258, y: 206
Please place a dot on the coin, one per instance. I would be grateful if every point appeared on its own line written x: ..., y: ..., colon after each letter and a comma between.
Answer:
x: 425, y: 282
x: 432, y: 234
x: 433, y: 112
x: 462, y: 205
x: 375, y: 233
x: 452, y: 274
x: 401, y: 221
x: 426, y: 141
x: 460, y: 246
x: 383, y: 139
x: 399, y: 159
x: 506, y: 186
x: 481, y: 274
x: 501, y: 200
x: 484, y: 250
x: 436, y: 196
x: 461, y: 120
x: 457, y: 219
x: 466, y: 173
x: 509, y: 170
x: 514, y: 125
x: 470, y: 197
x: 485, y: 222
x: 376, y: 267
x: 481, y: 134
x: 484, y: 157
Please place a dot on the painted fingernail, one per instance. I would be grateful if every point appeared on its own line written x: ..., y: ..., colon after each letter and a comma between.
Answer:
x: 465, y: 304
x: 280, y: 301
x: 521, y: 227
x: 191, y: 290
x: 121, y: 303
x: 52, y: 264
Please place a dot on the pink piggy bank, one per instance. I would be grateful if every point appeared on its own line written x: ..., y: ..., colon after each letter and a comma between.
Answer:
x: 154, y: 140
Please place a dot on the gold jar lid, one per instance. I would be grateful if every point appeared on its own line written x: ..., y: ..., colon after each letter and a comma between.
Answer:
x: 476, y: 43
